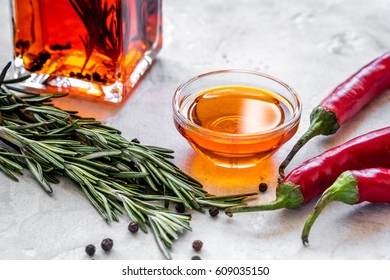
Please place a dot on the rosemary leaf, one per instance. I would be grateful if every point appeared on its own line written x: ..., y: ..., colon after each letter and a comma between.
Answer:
x: 61, y: 142
x: 131, y: 215
x: 10, y: 107
x: 4, y: 72
x: 96, y: 164
x: 164, y: 237
x: 48, y: 111
x: 149, y: 155
x: 101, y: 212
x: 106, y: 206
x: 130, y: 175
x: 5, y: 93
x: 50, y: 156
x: 178, y: 193
x: 36, y: 170
x: 32, y: 154
x: 157, y: 172
x: 13, y: 155
x: 27, y: 126
x: 181, y: 220
x: 94, y: 135
x: 152, y: 173
x: 8, y: 173
x: 38, y: 99
x: 56, y: 120
x: 16, y: 80
x: 231, y: 198
x: 65, y: 129
x: 51, y: 179
x: 90, y: 169
x: 100, y: 154
x: 157, y: 237
x: 136, y: 213
x: 160, y: 150
x: 183, y: 184
x: 21, y: 90
x: 148, y: 179
x: 167, y: 227
x: 56, y: 150
x: 10, y: 163
x: 85, y: 176
x: 159, y: 197
x: 121, y: 167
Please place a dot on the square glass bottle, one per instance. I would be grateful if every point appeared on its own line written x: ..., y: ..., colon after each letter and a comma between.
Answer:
x: 98, y: 48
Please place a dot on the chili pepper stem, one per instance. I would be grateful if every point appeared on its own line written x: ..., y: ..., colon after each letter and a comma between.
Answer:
x: 322, y: 122
x: 344, y: 189
x: 288, y: 195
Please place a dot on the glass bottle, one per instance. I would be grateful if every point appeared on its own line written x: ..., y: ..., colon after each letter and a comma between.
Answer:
x: 99, y: 48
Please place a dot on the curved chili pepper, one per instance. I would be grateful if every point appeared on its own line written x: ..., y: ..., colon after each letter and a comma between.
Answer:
x: 315, y: 175
x: 344, y: 102
x: 353, y: 187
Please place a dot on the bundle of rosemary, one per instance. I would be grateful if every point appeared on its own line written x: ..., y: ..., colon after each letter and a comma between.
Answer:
x: 116, y: 175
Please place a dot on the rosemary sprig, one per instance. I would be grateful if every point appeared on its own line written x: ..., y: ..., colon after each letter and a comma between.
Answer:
x: 103, y: 23
x: 117, y: 176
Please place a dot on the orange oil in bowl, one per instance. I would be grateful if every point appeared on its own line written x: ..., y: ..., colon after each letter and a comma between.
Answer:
x: 236, y: 125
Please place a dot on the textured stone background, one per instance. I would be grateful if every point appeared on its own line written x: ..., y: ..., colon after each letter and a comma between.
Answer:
x: 311, y: 45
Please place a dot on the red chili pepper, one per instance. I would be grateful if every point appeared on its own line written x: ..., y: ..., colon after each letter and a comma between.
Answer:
x: 353, y: 187
x: 315, y: 175
x: 344, y: 102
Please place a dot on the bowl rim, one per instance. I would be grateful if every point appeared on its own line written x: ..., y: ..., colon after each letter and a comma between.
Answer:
x: 197, y: 129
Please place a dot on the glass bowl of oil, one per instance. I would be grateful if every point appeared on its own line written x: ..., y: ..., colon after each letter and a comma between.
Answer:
x: 236, y: 118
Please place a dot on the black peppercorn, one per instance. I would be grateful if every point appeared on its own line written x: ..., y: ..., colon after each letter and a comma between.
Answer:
x: 107, y: 244
x: 44, y: 56
x: 96, y: 77
x: 90, y: 250
x: 21, y: 44
x: 263, y: 187
x: 59, y: 47
x: 135, y: 140
x: 180, y: 208
x: 195, y: 258
x: 197, y: 245
x: 213, y: 211
x: 39, y: 61
x: 133, y: 227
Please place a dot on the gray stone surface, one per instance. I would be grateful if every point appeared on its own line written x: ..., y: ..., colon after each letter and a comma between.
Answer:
x: 311, y: 45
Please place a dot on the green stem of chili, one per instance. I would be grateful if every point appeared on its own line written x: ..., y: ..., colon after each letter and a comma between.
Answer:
x: 288, y: 196
x: 322, y: 122
x: 344, y: 189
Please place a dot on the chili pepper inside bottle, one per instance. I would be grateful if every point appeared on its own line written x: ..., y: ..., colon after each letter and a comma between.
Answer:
x: 97, y: 48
